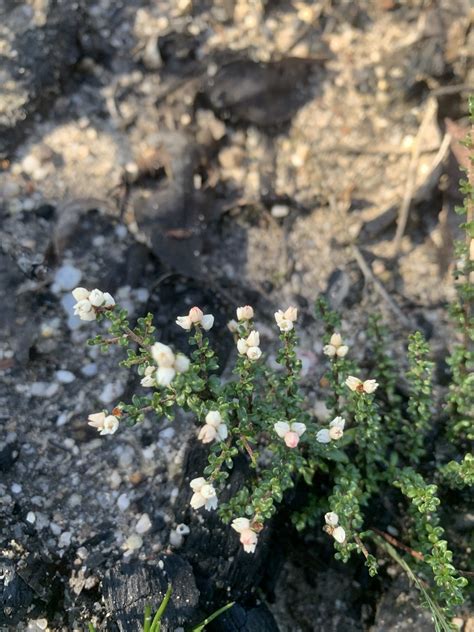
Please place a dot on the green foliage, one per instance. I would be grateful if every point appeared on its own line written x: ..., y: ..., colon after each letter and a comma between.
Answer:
x: 420, y: 402
x: 428, y: 533
x: 458, y: 475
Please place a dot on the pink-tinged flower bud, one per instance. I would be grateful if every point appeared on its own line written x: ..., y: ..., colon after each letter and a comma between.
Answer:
x: 195, y: 315
x: 291, y: 439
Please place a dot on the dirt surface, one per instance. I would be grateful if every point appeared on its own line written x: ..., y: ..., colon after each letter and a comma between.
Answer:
x: 213, y: 153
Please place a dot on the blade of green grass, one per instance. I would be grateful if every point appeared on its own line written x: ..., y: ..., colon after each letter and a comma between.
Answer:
x: 440, y: 622
x: 200, y: 627
x: 91, y: 627
x: 155, y: 625
x: 147, y: 619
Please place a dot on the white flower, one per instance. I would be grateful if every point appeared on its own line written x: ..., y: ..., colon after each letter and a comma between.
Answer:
x: 336, y: 347
x: 250, y: 346
x: 290, y: 433
x: 368, y: 386
x: 214, y: 428
x: 332, y: 527
x: 109, y: 300
x: 204, y: 494
x: 165, y: 375
x: 285, y: 320
x: 195, y: 317
x: 97, y: 298
x: 207, y: 322
x: 80, y: 293
x: 245, y: 313
x: 232, y: 326
x: 87, y: 302
x: 105, y: 424
x: 242, y: 346
x: 248, y: 537
x: 148, y: 381
x: 181, y: 363
x: 84, y: 310
x: 339, y: 535
x: 254, y: 353
x: 253, y: 339
x: 331, y: 518
x: 162, y: 355
x: 335, y: 431
x: 184, y: 322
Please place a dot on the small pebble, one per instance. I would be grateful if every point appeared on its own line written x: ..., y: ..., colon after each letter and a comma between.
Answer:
x: 89, y: 370
x: 67, y: 277
x: 31, y: 517
x: 123, y: 502
x: 65, y: 377
x: 16, y: 488
x: 280, y: 210
x: 133, y: 542
x: 65, y: 539
x: 55, y: 528
x: 44, y: 389
x: 144, y: 524
x: 111, y: 391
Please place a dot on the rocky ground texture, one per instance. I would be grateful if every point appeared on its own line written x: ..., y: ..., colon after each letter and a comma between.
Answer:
x: 216, y: 153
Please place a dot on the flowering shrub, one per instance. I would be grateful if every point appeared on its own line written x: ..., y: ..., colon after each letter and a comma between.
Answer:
x: 370, y: 448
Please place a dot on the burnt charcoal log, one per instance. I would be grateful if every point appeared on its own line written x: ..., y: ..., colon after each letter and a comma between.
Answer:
x: 237, y: 619
x: 27, y: 587
x: 128, y: 588
x: 222, y: 569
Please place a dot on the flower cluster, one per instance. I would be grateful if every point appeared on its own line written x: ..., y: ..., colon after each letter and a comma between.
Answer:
x: 290, y: 433
x: 285, y: 320
x: 106, y: 424
x: 89, y: 302
x: 204, y: 494
x: 358, y: 386
x: 169, y: 364
x: 336, y: 347
x: 333, y: 528
x: 214, y: 428
x: 196, y: 317
x: 333, y: 433
x: 248, y: 533
x: 250, y: 346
